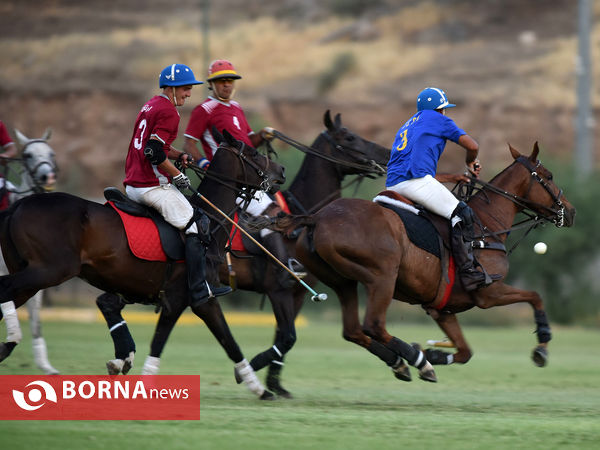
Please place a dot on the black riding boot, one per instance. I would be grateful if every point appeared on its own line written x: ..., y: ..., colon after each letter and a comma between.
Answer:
x: 195, y: 263
x: 275, y: 244
x: 462, y: 251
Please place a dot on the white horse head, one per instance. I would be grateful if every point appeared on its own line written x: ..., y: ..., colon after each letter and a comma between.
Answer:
x: 39, y: 164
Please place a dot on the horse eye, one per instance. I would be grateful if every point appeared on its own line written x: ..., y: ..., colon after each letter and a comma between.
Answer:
x: 350, y: 138
x: 550, y: 177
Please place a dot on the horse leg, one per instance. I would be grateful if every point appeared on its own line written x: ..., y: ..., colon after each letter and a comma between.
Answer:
x: 166, y: 321
x: 285, y: 337
x: 448, y: 323
x: 503, y: 294
x: 379, y: 298
x: 212, y: 315
x: 111, y: 305
x: 40, y: 351
x: 275, y: 368
x: 13, y: 329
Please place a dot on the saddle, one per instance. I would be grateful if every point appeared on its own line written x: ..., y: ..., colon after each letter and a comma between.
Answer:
x: 150, y: 237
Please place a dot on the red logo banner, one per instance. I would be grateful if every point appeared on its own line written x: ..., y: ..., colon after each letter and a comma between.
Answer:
x: 97, y: 397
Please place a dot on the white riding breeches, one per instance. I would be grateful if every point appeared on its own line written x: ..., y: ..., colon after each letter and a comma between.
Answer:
x: 168, y: 201
x: 430, y: 193
x: 259, y: 203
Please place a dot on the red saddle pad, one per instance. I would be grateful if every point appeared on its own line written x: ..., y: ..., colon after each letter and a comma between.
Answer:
x: 142, y: 236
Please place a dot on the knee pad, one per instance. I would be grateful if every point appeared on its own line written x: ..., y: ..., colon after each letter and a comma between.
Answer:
x: 465, y: 213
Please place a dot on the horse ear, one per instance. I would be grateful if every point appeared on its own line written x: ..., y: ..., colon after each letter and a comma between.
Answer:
x: 47, y: 134
x: 21, y: 137
x: 534, y: 153
x: 327, y: 121
x: 338, y: 121
x: 229, y: 138
x: 217, y: 135
x: 513, y: 151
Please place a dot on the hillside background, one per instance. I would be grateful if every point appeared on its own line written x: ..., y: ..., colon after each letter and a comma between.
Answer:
x: 85, y: 69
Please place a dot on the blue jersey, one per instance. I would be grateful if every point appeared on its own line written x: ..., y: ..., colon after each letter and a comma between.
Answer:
x: 419, y: 145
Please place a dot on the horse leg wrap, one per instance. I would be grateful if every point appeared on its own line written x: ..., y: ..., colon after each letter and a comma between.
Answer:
x: 151, y: 366
x: 262, y: 359
x: 122, y: 339
x: 543, y: 327
x: 415, y: 357
x: 438, y: 357
x: 382, y: 352
x: 40, y: 356
x: 248, y: 376
x: 13, y: 329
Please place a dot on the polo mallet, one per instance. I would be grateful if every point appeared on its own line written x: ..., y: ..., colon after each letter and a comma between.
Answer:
x: 315, y: 297
x: 444, y: 343
x: 231, y: 272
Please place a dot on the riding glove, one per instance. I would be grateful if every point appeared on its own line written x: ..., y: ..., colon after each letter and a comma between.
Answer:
x: 181, y: 181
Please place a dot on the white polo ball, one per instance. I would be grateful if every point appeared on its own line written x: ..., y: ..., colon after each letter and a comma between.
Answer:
x: 540, y: 248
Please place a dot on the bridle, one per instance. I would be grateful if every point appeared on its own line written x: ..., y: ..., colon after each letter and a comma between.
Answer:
x: 229, y: 182
x: 366, y: 167
x: 537, y: 213
x: 31, y: 171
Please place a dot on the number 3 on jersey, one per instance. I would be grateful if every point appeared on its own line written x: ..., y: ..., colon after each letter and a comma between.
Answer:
x: 402, y: 145
x: 236, y: 122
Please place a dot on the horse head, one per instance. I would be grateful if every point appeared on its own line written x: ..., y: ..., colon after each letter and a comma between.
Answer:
x: 39, y: 162
x: 255, y: 171
x: 360, y: 155
x: 540, y: 192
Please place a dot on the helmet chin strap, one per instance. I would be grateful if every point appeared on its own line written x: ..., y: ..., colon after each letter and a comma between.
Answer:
x: 218, y: 97
x: 174, y: 97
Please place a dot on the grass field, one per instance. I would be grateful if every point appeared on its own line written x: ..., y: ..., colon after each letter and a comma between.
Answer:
x: 344, y: 397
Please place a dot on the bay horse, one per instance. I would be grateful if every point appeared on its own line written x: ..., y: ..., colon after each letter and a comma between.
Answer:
x: 37, y: 170
x: 336, y: 153
x: 353, y: 241
x: 48, y: 239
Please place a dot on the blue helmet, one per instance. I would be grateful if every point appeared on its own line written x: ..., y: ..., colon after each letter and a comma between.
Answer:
x: 177, y: 75
x: 432, y: 98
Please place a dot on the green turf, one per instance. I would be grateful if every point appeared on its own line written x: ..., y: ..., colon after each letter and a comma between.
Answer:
x: 345, y: 398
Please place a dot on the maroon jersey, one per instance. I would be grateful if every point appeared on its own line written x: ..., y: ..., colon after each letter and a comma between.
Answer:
x: 158, y: 119
x: 5, y: 138
x: 221, y: 115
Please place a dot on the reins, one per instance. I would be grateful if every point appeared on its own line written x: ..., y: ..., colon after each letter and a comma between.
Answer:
x: 369, y: 166
x: 368, y: 169
x: 526, y: 206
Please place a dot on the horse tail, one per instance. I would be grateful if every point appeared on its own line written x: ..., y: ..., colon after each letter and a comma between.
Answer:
x: 287, y: 223
x: 283, y: 223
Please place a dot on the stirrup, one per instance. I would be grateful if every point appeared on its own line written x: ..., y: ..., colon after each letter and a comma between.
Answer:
x: 296, y: 266
x: 218, y: 291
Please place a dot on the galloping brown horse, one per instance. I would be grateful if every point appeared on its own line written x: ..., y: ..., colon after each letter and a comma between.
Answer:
x: 336, y: 153
x: 353, y: 241
x: 48, y: 239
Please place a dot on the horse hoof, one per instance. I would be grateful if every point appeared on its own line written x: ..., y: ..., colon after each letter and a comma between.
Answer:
x: 427, y: 373
x: 401, y: 371
x: 267, y: 396
x: 6, y: 349
x: 540, y: 356
x: 238, y: 378
x: 114, y: 366
x: 274, y: 386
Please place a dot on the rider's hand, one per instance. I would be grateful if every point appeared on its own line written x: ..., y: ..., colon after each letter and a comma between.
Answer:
x: 203, y: 163
x: 267, y: 133
x: 475, y: 168
x: 181, y: 181
x: 185, y: 159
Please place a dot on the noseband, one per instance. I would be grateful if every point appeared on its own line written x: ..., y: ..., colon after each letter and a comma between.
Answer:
x: 557, y: 210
